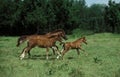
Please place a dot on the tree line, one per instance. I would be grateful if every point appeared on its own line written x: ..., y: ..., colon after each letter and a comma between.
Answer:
x: 18, y: 17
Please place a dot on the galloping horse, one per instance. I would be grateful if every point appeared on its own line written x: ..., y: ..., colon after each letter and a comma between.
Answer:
x: 59, y: 32
x: 42, y: 42
x: 73, y: 45
x: 46, y: 41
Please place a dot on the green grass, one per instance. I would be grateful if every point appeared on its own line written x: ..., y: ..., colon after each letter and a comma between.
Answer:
x: 103, y: 59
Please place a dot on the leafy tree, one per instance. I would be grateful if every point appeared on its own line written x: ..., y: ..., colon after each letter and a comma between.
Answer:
x: 112, y: 17
x: 96, y: 20
x: 18, y: 17
x: 61, y: 12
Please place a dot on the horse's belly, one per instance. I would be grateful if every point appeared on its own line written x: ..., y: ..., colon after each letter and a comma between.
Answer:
x: 73, y: 48
x: 43, y: 45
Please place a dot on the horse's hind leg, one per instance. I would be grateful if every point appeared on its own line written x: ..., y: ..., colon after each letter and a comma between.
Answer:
x: 84, y: 51
x: 29, y: 47
x: 47, y: 50
x: 53, y: 51
x: 63, y: 53
x: 78, y: 52
x: 29, y: 53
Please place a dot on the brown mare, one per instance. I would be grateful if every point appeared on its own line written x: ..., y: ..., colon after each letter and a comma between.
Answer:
x: 59, y: 32
x: 73, y: 45
x: 45, y: 41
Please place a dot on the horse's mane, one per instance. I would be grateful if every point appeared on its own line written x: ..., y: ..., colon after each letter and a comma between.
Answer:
x: 80, y: 38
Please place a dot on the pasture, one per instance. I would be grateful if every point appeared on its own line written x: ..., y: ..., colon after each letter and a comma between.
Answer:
x: 103, y: 59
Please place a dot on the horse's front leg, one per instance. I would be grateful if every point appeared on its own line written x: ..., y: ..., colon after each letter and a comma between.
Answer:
x: 60, y: 40
x: 84, y: 51
x: 28, y: 51
x: 57, y: 50
x: 59, y: 53
x: 63, y: 52
x: 54, y: 49
x: 78, y: 52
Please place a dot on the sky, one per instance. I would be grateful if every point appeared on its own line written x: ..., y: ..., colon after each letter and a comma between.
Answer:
x: 90, y: 2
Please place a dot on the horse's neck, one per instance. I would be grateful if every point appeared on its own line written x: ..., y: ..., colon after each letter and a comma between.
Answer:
x: 78, y: 41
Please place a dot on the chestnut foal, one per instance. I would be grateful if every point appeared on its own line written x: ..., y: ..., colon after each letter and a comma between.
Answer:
x: 73, y: 45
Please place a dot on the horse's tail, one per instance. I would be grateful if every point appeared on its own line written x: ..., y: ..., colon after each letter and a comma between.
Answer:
x: 21, y: 40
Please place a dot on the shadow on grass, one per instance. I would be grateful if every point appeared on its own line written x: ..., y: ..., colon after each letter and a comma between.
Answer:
x: 70, y: 58
x: 76, y: 73
x: 43, y: 57
x: 117, y: 73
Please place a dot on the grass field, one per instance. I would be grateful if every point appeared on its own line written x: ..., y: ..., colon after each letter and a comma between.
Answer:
x: 103, y: 59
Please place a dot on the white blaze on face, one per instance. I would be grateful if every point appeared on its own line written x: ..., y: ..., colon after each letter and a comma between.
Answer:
x: 21, y: 42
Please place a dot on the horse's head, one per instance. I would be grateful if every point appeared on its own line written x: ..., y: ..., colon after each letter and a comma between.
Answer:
x: 84, y: 40
x: 62, y: 34
x: 21, y: 40
x: 58, y: 32
x: 55, y: 38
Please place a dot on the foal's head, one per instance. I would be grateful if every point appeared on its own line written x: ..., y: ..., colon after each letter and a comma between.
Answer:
x: 83, y: 39
x: 21, y: 40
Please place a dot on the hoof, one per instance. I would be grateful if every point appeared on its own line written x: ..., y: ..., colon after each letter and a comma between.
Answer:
x: 20, y: 58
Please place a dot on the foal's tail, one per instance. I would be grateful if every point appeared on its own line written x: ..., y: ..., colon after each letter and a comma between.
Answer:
x: 21, y: 40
